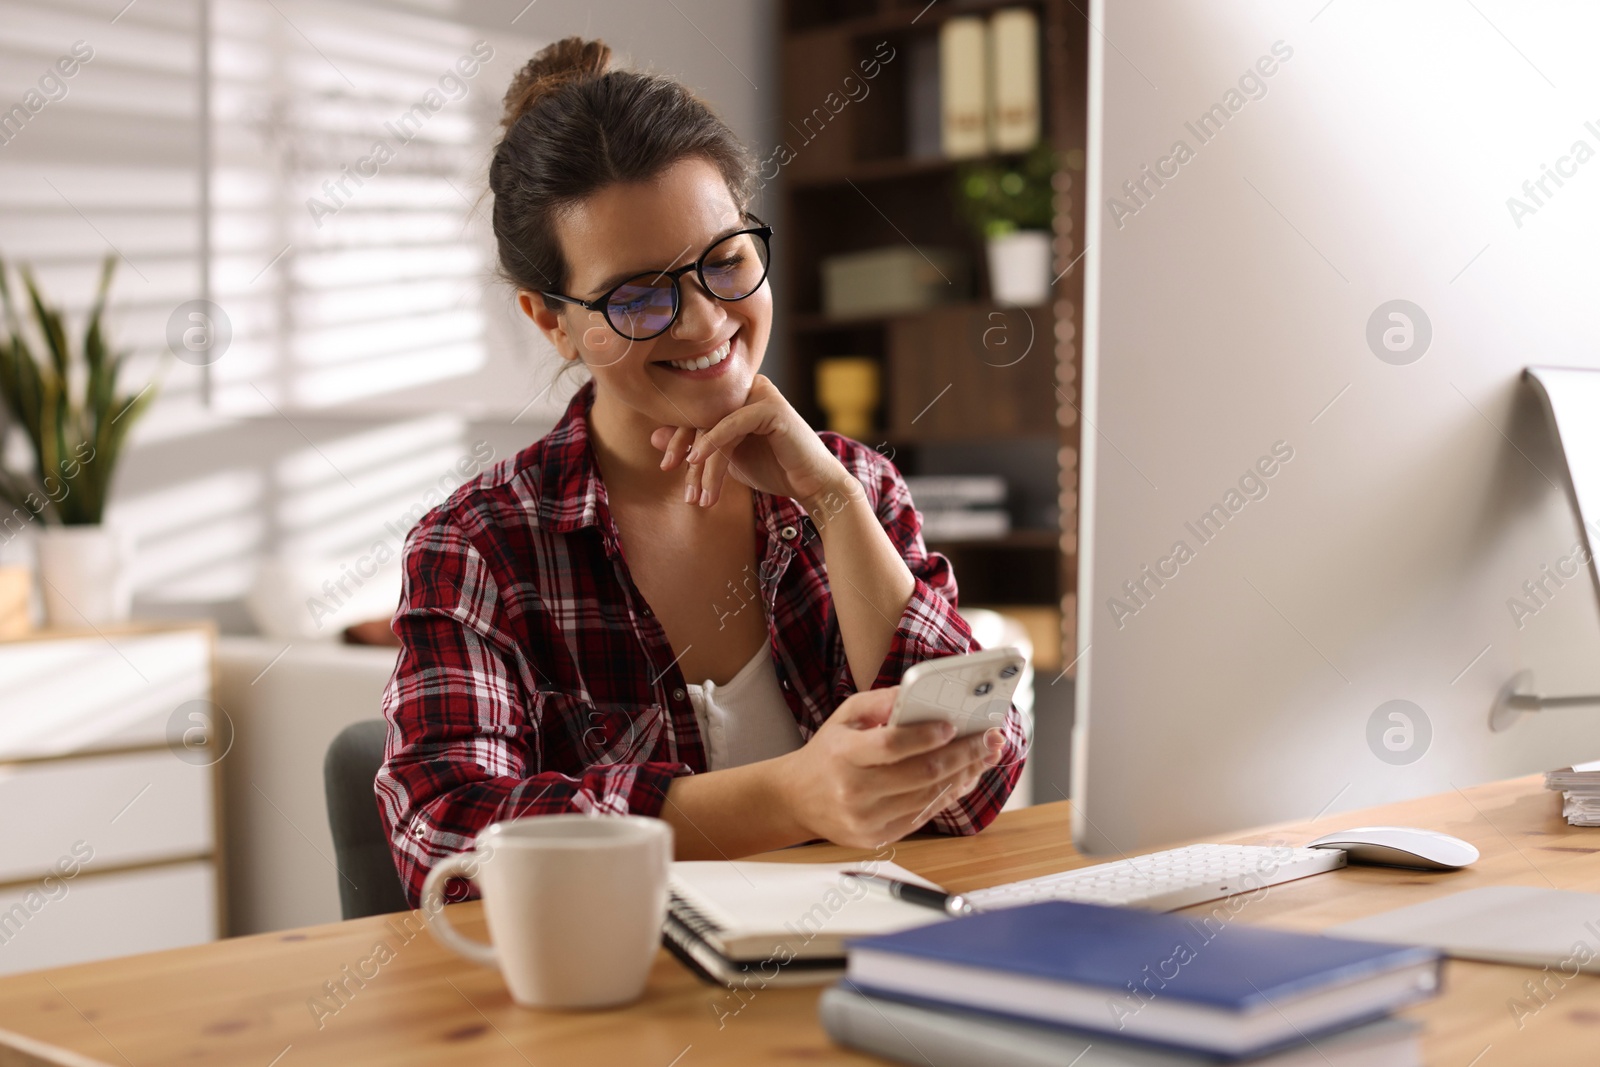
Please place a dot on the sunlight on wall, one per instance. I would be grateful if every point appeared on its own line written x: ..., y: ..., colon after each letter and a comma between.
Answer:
x: 357, y: 307
x: 198, y: 537
x: 345, y: 143
x: 338, y: 499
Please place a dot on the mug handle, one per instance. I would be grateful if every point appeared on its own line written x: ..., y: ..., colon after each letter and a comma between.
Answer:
x: 458, y: 865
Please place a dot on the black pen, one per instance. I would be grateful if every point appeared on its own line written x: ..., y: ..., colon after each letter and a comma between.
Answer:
x: 911, y: 893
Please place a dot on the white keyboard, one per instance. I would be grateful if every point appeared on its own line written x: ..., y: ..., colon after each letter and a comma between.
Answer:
x: 1166, y: 881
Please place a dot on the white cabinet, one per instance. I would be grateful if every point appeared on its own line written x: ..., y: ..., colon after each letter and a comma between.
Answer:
x: 109, y: 745
x: 84, y: 692
x: 96, y: 916
x: 133, y: 807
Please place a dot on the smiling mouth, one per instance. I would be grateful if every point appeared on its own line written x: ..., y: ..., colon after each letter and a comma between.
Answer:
x: 721, y: 353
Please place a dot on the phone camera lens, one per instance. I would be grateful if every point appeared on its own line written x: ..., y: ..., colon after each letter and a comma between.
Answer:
x: 1009, y: 670
x: 981, y: 688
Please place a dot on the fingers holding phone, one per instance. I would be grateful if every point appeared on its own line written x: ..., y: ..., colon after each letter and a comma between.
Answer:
x: 863, y: 782
x: 994, y: 747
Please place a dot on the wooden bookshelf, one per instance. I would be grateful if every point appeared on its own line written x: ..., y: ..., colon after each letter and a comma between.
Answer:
x: 968, y: 374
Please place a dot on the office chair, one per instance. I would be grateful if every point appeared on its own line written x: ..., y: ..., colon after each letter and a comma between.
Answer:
x: 368, y: 883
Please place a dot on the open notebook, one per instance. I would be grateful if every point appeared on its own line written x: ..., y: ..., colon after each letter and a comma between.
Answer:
x: 740, y: 917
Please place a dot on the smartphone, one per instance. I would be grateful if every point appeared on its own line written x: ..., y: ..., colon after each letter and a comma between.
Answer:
x: 972, y: 690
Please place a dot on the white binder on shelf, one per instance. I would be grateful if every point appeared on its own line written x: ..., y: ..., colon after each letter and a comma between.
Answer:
x: 963, y: 84
x: 1014, y: 119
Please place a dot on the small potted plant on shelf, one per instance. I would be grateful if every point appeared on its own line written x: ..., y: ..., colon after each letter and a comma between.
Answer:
x: 1011, y: 204
x: 64, y: 398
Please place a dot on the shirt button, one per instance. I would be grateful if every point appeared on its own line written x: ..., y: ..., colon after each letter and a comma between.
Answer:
x: 788, y: 533
x: 678, y: 694
x: 645, y: 611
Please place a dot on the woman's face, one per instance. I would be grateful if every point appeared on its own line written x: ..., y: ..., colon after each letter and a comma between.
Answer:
x: 628, y: 229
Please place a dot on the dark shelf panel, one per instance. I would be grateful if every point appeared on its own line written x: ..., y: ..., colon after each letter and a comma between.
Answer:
x: 1023, y: 539
x: 878, y: 170
x: 815, y: 322
x: 899, y: 444
x: 908, y: 442
x: 866, y: 171
x: 912, y: 17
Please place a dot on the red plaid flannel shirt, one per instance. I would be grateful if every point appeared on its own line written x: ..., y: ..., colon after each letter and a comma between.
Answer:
x: 533, y: 677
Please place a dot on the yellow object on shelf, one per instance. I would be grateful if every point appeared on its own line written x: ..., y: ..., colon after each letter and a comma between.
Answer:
x: 15, y: 586
x: 847, y: 389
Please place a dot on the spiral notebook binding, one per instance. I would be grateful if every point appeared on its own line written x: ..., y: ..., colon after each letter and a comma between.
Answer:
x: 691, y: 917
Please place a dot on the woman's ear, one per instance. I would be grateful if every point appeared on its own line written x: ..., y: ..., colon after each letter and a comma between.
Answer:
x: 594, y: 344
x: 551, y: 323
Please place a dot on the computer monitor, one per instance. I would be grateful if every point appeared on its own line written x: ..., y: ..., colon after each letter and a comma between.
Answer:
x: 1323, y: 520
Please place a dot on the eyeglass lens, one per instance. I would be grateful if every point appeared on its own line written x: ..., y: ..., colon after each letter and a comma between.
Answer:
x: 734, y: 268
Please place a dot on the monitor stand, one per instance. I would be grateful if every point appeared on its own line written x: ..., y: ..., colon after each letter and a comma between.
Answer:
x: 1571, y: 398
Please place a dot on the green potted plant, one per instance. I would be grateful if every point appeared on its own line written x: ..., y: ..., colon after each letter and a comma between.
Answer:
x: 64, y: 398
x: 1011, y: 204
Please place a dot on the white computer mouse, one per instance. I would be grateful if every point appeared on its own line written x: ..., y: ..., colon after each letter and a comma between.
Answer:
x: 1400, y: 846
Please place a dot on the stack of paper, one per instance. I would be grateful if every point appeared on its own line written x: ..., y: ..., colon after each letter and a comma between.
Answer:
x: 957, y: 507
x: 1580, y: 792
x: 780, y: 924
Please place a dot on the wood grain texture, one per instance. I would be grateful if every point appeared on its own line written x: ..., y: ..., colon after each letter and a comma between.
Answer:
x: 246, y: 1001
x: 962, y: 373
x: 19, y: 1051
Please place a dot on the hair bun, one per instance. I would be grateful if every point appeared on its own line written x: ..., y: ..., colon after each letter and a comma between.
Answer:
x: 571, y: 59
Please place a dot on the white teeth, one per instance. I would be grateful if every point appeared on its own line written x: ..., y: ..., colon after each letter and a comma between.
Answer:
x: 704, y: 361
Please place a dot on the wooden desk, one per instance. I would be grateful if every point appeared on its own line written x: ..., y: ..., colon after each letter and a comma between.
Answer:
x: 246, y: 1002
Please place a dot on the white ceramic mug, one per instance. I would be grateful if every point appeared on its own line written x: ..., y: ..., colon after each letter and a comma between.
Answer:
x: 574, y: 904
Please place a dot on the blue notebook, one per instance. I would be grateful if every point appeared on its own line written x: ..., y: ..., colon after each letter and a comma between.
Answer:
x: 1196, y: 983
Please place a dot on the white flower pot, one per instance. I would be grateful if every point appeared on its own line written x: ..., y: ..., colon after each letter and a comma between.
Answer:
x: 85, y: 575
x: 1019, y: 268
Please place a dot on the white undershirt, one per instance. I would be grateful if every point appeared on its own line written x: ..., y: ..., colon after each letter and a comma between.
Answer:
x: 747, y: 719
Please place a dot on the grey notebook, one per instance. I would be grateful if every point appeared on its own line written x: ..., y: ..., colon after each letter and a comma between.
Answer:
x: 947, y: 1037
x: 1519, y: 924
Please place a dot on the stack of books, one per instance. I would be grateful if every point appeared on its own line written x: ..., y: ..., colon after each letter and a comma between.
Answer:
x: 959, y: 507
x: 1045, y: 983
x: 1579, y: 786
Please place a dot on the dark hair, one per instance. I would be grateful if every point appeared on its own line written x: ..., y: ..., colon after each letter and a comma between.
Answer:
x: 574, y: 127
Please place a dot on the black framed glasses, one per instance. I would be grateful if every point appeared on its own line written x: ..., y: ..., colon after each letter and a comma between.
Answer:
x: 646, y: 305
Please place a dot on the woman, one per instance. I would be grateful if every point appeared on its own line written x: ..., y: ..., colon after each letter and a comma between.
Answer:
x: 680, y: 522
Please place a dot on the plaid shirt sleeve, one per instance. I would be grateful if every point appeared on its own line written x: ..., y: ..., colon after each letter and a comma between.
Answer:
x: 469, y: 722
x: 930, y: 627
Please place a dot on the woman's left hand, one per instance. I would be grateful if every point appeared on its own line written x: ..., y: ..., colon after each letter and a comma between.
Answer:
x: 765, y: 444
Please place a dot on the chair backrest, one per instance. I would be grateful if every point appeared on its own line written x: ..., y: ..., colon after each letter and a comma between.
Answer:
x: 368, y: 883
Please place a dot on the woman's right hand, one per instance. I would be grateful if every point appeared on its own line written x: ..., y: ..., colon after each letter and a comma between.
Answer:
x: 861, y: 783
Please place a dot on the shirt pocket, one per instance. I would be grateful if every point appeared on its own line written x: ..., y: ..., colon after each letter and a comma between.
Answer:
x: 602, y: 735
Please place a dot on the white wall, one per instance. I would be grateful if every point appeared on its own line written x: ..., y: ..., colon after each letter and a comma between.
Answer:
x: 116, y: 163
